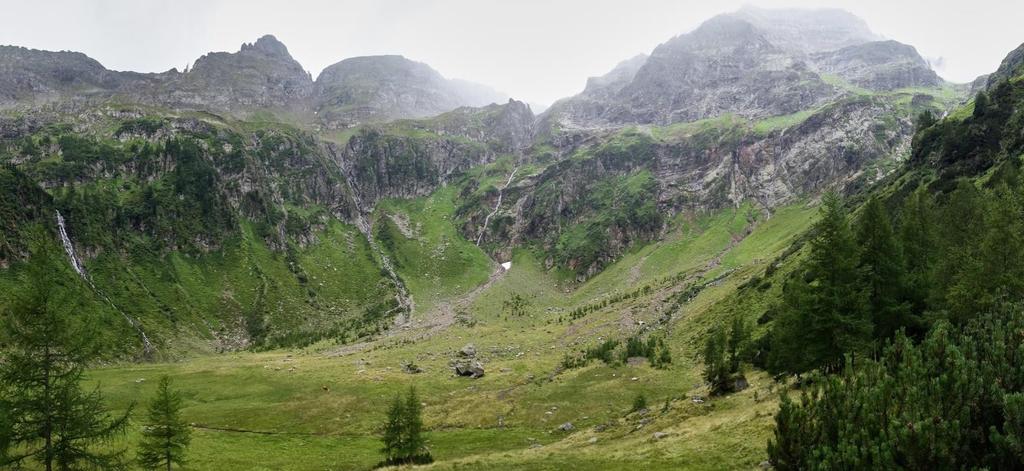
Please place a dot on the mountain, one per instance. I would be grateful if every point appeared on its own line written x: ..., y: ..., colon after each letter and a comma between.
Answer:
x: 733, y: 114
x: 754, y: 63
x: 384, y: 88
x: 260, y: 77
x: 552, y: 285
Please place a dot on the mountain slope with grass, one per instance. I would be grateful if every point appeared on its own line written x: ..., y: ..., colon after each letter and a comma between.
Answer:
x: 627, y: 279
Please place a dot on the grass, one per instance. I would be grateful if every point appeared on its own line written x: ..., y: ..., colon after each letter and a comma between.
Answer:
x: 310, y: 409
x: 432, y: 257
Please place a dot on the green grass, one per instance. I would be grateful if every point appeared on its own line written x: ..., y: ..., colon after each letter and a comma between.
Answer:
x: 308, y: 409
x: 432, y: 257
x: 775, y: 123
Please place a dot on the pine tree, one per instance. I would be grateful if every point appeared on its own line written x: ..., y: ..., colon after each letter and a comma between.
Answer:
x: 919, y: 241
x: 951, y: 402
x: 716, y: 366
x: 413, y: 427
x: 394, y: 439
x: 50, y: 418
x: 739, y: 336
x: 166, y: 436
x: 403, y: 440
x: 838, y: 320
x: 823, y: 316
x: 881, y: 265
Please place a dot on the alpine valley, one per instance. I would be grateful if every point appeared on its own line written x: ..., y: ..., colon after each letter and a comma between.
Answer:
x: 559, y: 288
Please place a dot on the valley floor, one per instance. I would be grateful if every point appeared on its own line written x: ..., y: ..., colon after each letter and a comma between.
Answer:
x: 322, y: 407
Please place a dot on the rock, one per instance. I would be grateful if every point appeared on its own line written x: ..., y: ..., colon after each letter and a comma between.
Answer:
x: 467, y: 367
x: 765, y: 465
x: 659, y: 435
x: 592, y: 440
x: 698, y: 400
x: 740, y: 384
x: 636, y: 361
x: 566, y: 427
x: 469, y: 351
x: 411, y: 368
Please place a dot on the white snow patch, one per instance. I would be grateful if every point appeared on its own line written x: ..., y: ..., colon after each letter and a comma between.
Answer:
x: 506, y: 265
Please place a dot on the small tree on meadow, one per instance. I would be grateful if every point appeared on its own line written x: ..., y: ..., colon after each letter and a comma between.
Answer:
x: 166, y: 436
x: 403, y: 440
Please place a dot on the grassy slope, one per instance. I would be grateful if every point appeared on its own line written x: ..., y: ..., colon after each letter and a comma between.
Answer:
x: 324, y: 411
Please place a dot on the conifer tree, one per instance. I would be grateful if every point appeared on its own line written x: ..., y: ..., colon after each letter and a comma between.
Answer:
x: 394, y: 440
x: 881, y: 264
x: 824, y: 315
x: 413, y: 426
x: 716, y: 366
x: 403, y: 440
x: 919, y: 240
x: 50, y: 418
x: 739, y: 336
x: 166, y: 435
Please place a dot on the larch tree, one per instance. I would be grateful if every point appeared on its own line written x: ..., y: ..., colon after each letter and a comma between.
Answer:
x: 165, y: 436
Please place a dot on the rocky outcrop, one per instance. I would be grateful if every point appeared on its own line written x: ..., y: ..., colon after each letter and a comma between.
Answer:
x: 1011, y: 66
x: 260, y: 75
x: 727, y: 65
x: 880, y: 65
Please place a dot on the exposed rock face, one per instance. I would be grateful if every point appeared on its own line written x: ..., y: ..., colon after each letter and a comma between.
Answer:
x: 753, y: 63
x: 719, y: 165
x: 383, y: 88
x: 259, y: 75
x: 880, y: 65
x: 1011, y: 66
x: 36, y: 77
x: 727, y: 65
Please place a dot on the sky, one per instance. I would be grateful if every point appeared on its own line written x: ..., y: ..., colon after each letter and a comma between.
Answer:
x: 534, y: 50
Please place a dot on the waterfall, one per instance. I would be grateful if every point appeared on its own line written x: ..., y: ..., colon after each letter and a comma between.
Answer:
x: 69, y: 248
x: 76, y: 263
x: 497, y: 205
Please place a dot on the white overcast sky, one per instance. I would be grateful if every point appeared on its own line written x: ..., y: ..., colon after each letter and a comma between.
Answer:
x: 534, y: 50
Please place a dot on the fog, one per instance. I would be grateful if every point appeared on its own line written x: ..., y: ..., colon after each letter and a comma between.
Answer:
x: 534, y: 50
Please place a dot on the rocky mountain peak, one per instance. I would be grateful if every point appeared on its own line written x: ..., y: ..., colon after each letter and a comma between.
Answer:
x: 382, y: 88
x: 808, y: 30
x: 268, y: 44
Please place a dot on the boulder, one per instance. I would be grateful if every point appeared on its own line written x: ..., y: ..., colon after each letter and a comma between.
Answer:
x: 659, y: 435
x: 411, y: 368
x: 740, y: 384
x: 469, y: 351
x: 566, y: 427
x: 466, y: 367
